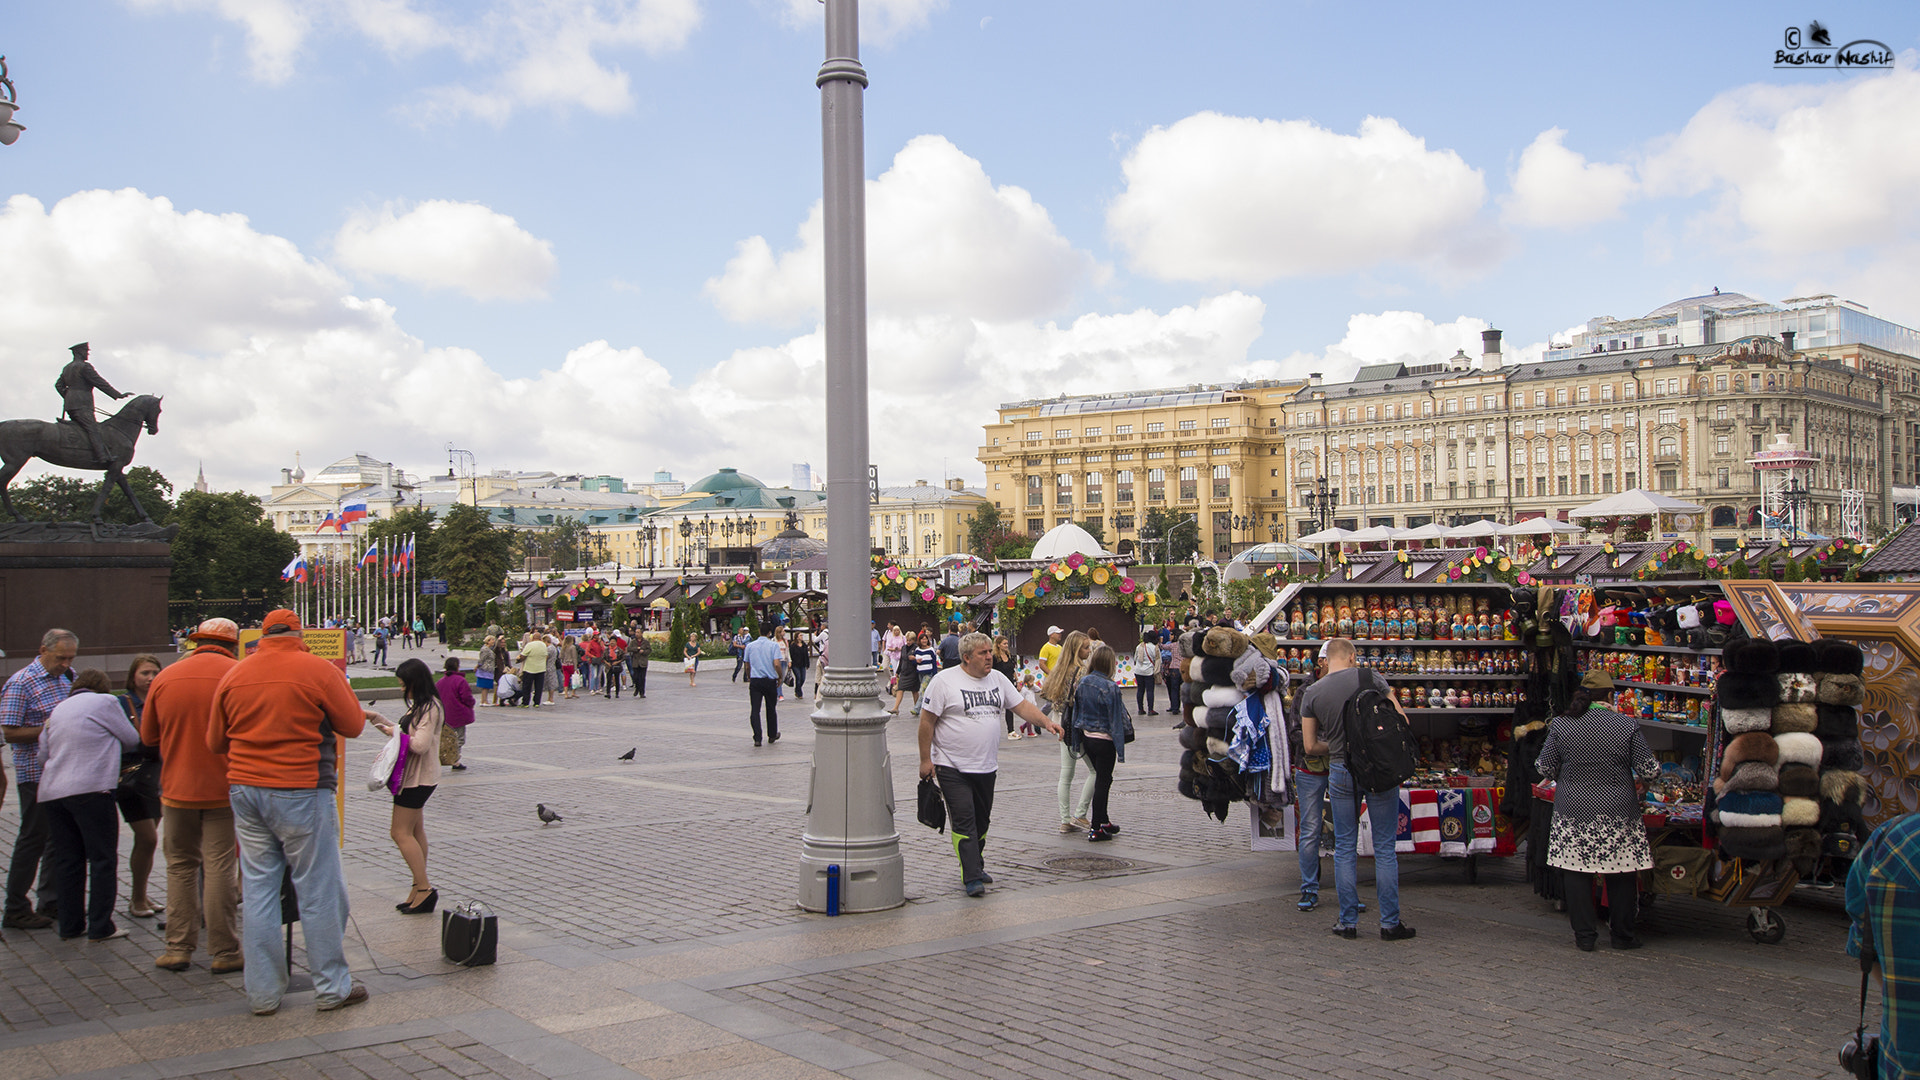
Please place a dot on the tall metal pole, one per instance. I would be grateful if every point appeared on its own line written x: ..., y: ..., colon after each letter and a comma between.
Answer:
x: 850, y: 811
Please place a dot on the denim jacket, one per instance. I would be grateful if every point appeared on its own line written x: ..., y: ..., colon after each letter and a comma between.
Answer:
x: 1098, y: 706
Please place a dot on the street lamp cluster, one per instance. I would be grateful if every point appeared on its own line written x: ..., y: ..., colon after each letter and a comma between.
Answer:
x: 1322, y: 502
x: 725, y: 528
x: 9, y: 101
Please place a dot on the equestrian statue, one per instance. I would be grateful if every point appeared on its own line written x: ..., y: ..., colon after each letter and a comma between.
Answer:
x: 79, y: 441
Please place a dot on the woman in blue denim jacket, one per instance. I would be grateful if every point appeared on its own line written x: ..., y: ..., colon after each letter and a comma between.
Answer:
x: 1100, y: 719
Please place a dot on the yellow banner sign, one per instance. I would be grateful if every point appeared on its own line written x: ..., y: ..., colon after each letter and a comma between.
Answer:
x: 326, y: 644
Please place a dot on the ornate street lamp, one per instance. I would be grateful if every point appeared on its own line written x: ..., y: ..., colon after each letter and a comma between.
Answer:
x: 9, y: 101
x: 1322, y: 502
x: 686, y: 541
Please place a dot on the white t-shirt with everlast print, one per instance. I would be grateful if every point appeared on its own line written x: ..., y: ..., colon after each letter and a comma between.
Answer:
x: 970, y: 718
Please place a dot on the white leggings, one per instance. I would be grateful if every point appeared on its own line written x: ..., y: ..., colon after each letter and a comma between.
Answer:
x: 1068, y: 761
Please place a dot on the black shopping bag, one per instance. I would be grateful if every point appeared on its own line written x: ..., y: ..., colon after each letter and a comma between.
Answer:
x: 933, y: 807
x: 469, y: 934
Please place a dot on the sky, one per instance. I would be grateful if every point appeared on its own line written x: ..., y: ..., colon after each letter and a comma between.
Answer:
x: 584, y: 235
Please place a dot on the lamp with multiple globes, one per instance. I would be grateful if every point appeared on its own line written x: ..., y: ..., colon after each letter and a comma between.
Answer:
x: 9, y: 101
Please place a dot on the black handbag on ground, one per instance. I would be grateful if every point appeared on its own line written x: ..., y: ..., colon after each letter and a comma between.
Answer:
x: 469, y: 934
x: 933, y: 805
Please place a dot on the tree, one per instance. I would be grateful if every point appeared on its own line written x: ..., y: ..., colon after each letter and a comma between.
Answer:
x: 1096, y: 528
x: 472, y: 554
x: 227, y: 545
x: 990, y: 535
x: 70, y: 498
x: 1180, y: 546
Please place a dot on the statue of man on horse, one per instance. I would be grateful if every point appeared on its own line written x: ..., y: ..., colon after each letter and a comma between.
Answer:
x: 80, y: 441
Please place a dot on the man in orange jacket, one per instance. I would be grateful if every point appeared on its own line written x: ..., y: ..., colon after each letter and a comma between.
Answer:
x: 275, y: 716
x: 196, y: 817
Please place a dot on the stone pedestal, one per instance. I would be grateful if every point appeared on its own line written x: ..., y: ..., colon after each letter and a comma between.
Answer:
x: 111, y: 592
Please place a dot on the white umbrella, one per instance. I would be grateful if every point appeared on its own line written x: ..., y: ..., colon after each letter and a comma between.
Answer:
x: 1327, y: 536
x: 1376, y: 535
x: 1540, y: 526
x: 1431, y: 531
x: 1474, y: 530
x: 1634, y: 504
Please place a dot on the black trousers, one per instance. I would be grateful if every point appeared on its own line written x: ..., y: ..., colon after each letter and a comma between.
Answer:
x: 31, y: 857
x: 639, y: 673
x: 1172, y: 679
x: 767, y: 691
x: 1622, y: 897
x: 83, y: 833
x: 969, y: 812
x: 800, y: 681
x: 531, y: 685
x: 1100, y: 754
x: 1143, y: 694
x: 613, y: 680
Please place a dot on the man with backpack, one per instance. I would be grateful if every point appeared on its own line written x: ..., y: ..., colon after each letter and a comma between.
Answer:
x: 1350, y: 716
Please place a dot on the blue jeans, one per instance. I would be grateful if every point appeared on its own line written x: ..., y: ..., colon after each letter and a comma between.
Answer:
x: 1384, y: 809
x: 280, y: 829
x: 1311, y: 790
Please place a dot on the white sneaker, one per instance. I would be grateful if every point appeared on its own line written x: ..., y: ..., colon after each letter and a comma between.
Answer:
x: 1069, y: 827
x: 1013, y: 736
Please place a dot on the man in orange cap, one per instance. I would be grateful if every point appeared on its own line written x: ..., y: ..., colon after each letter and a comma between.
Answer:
x: 275, y: 716
x: 196, y: 818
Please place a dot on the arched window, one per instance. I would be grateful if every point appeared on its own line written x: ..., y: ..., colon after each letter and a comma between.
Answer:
x: 1724, y: 517
x: 1669, y: 446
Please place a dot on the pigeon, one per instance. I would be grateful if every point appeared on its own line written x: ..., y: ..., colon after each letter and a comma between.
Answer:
x: 547, y: 817
x: 628, y: 756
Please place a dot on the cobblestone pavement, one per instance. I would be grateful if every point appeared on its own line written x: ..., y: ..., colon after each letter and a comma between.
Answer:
x: 654, y: 933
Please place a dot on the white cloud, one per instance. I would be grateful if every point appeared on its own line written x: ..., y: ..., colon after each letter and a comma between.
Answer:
x: 1558, y: 188
x: 263, y: 351
x: 448, y: 245
x: 547, y: 53
x: 941, y: 239
x: 881, y: 21
x: 1234, y: 199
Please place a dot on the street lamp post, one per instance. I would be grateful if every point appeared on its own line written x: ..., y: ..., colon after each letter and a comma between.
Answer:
x: 1796, y: 497
x: 850, y: 851
x: 686, y: 542
x: 1322, y: 502
x: 9, y: 129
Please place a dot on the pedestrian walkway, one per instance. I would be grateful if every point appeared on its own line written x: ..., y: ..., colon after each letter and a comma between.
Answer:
x: 654, y: 933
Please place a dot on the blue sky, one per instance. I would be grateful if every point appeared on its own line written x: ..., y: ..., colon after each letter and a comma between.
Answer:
x: 568, y: 234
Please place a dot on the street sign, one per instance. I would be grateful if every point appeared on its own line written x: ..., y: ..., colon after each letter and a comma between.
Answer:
x: 433, y: 587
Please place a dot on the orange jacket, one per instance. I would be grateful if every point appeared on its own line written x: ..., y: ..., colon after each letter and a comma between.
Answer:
x: 175, y: 720
x: 276, y: 713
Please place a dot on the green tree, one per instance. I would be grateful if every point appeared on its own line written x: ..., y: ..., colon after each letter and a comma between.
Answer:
x: 1182, y: 536
x: 472, y: 554
x: 990, y: 535
x: 416, y: 522
x: 70, y: 498
x: 226, y: 545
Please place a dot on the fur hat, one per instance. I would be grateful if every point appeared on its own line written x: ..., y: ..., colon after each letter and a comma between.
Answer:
x: 1841, y: 690
x: 1797, y: 748
x: 1803, y: 847
x: 1841, y: 788
x: 1219, y: 720
x: 1750, y: 803
x: 1192, y: 672
x: 1759, y: 844
x: 1250, y: 670
x: 1216, y: 748
x: 1834, y: 657
x: 1752, y: 657
x: 1216, y: 697
x: 1224, y: 641
x: 1799, y: 781
x: 1186, y: 785
x: 1269, y: 647
x: 1797, y: 686
x: 1836, y: 722
x: 1738, y: 691
x: 1192, y: 738
x: 1738, y: 721
x: 1751, y: 746
x: 1844, y: 754
x: 1796, y: 656
x: 1215, y: 670
x: 1799, y: 717
x: 1799, y: 813
x: 1748, y: 776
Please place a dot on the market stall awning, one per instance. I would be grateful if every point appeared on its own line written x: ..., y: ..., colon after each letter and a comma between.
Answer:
x: 1474, y: 530
x: 1541, y: 526
x: 1379, y: 534
x: 1327, y: 536
x: 1432, y: 530
x: 1636, y: 503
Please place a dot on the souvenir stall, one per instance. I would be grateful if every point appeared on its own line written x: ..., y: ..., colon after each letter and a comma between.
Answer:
x: 1440, y: 626
x: 1078, y: 592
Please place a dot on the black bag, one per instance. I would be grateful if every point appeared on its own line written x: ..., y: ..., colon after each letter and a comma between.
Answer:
x: 933, y: 805
x: 469, y: 934
x: 1381, y: 752
x: 1129, y: 717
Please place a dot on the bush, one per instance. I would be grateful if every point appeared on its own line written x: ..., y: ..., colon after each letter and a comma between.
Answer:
x: 456, y: 615
x: 677, y: 634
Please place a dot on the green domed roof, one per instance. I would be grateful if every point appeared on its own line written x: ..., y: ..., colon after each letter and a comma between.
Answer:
x: 725, y: 480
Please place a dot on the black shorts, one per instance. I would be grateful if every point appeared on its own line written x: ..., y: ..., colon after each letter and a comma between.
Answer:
x: 139, y: 798
x: 414, y: 798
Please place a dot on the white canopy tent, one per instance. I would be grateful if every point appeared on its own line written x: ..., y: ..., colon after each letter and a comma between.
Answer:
x: 1430, y: 531
x: 1474, y: 530
x: 1327, y: 536
x: 1636, y: 503
x: 1379, y: 534
x: 1541, y: 526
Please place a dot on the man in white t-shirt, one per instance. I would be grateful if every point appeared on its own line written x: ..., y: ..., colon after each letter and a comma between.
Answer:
x: 961, y: 722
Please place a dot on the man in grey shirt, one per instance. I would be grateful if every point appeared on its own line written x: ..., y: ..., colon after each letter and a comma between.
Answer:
x: 1323, y: 709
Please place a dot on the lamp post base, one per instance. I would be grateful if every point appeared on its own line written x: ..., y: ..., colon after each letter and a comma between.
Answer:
x: 850, y: 799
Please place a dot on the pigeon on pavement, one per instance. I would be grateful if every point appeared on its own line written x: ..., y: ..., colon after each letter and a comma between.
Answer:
x: 547, y: 817
x: 628, y: 756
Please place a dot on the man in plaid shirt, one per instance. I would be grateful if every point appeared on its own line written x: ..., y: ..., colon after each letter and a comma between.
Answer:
x: 1883, y: 898
x: 29, y: 695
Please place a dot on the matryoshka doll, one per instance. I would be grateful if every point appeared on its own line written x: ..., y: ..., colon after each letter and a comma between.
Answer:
x: 1459, y: 620
x: 1296, y: 628
x: 1311, y: 621
x: 1423, y: 622
x: 1329, y: 621
x: 1393, y: 618
x: 1343, y: 621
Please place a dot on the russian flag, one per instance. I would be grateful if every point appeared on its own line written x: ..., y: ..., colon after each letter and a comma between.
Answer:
x: 295, y: 570
x: 331, y: 522
x: 372, y: 557
x: 402, y: 557
x: 353, y: 512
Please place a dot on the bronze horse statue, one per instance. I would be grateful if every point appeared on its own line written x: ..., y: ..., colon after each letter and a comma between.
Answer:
x: 62, y: 443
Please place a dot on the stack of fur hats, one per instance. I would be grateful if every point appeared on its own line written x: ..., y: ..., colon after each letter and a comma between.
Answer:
x: 1219, y: 661
x: 1789, y: 715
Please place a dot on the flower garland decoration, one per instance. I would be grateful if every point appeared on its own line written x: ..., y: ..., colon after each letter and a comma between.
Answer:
x: 1487, y: 563
x: 892, y: 583
x: 1075, y: 568
x: 739, y: 580
x: 587, y: 590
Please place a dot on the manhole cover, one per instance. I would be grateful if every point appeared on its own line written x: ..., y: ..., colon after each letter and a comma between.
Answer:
x: 1088, y: 864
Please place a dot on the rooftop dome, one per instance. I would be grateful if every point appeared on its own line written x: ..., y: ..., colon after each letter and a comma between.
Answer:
x: 1712, y: 300
x: 725, y: 480
x: 790, y: 547
x: 1063, y: 540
